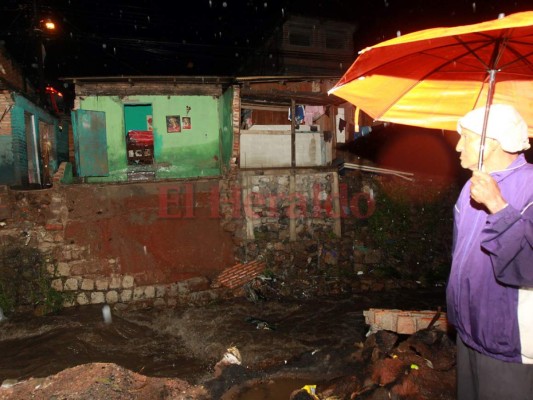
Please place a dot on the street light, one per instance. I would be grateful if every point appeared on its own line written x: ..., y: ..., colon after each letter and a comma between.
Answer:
x: 49, y: 24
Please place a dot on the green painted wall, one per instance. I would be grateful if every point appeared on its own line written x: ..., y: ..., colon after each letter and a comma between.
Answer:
x: 189, y: 153
x: 226, y: 124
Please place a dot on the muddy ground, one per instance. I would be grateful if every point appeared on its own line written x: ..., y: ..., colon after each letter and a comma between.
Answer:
x: 172, y: 353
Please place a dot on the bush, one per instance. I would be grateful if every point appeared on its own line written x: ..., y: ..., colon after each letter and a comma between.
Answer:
x: 25, y: 281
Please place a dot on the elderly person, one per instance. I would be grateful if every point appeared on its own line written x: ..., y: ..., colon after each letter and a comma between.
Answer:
x: 490, y: 289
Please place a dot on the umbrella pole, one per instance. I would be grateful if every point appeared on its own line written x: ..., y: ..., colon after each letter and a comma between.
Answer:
x: 492, y: 82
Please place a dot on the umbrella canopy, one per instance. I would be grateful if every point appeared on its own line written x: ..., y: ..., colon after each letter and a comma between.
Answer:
x: 432, y: 78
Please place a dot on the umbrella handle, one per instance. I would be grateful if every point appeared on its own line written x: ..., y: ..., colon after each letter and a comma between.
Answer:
x: 492, y: 82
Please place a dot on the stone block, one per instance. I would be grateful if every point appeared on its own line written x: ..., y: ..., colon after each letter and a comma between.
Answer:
x: 172, y: 302
x: 173, y: 290
x: 159, y: 303
x: 45, y: 247
x: 115, y: 282
x: 51, y: 268
x: 77, y: 254
x: 138, y: 293
x: 69, y: 303
x: 71, y: 284
x: 63, y: 269
x: 149, y: 292
x: 57, y: 284
x: 196, y: 284
x: 97, y: 298
x: 127, y: 282
x: 111, y: 297
x: 160, y: 290
x: 102, y: 284
x: 126, y: 295
x: 79, y: 267
x: 66, y: 255
x: 82, y: 299
x: 87, y: 284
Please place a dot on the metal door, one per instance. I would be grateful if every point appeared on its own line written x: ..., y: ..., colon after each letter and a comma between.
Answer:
x: 90, y: 142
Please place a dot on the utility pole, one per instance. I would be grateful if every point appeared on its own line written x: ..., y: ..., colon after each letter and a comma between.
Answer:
x: 37, y: 29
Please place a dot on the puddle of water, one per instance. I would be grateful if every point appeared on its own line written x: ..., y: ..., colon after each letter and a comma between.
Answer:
x: 275, y: 389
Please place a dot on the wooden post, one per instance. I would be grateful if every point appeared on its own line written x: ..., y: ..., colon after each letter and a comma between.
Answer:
x: 293, y: 133
x: 337, y: 212
x: 292, y: 206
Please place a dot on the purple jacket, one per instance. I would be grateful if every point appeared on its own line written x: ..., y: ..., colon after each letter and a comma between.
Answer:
x: 490, y: 290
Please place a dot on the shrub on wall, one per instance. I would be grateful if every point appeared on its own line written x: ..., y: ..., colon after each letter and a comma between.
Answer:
x: 25, y: 282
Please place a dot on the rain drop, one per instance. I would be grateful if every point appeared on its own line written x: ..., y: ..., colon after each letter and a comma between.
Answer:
x: 265, y: 4
x: 135, y: 26
x: 398, y: 33
x: 148, y: 18
x: 236, y: 54
x: 104, y: 45
x: 270, y: 55
x: 473, y: 7
x: 282, y: 12
x: 106, y: 313
x: 224, y: 4
x: 114, y: 50
x: 210, y: 3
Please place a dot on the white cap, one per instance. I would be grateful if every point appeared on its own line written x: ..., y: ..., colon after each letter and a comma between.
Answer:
x: 505, y: 125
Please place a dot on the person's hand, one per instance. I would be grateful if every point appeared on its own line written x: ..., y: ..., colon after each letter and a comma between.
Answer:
x: 484, y: 190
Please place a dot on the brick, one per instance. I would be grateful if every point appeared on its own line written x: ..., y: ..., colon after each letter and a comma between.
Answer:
x: 53, y: 227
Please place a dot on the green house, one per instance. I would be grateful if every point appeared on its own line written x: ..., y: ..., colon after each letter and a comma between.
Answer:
x: 152, y: 128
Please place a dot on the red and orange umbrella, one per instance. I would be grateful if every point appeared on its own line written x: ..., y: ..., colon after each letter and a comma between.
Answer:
x: 433, y: 77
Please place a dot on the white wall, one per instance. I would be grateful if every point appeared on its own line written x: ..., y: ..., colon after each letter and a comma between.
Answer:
x: 270, y: 149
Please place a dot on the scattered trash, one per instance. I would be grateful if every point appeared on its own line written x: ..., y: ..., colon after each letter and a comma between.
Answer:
x: 232, y: 356
x: 106, y: 312
x: 414, y: 366
x: 260, y: 324
x: 403, y: 321
x: 260, y: 288
x: 311, y: 389
x: 305, y: 393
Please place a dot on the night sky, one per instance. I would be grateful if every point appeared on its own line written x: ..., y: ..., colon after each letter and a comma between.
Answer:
x: 202, y: 37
